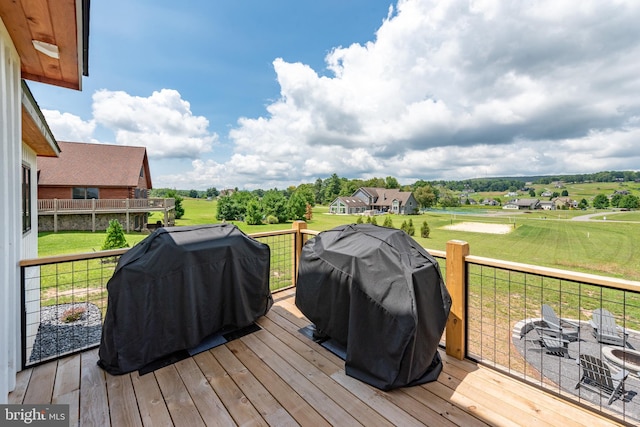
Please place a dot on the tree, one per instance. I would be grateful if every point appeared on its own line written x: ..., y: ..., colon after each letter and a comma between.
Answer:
x: 583, y: 204
x: 600, y: 201
x: 212, y: 192
x: 404, y: 227
x: 565, y: 193
x: 275, y: 204
x: 425, y: 230
x: 254, y: 213
x: 615, y: 200
x: 411, y: 230
x: 532, y: 192
x: 387, y: 221
x: 115, y: 237
x: 308, y: 213
x: 425, y: 196
x: 193, y: 194
x: 297, y: 206
x: 448, y: 200
x: 173, y: 194
x: 629, y: 201
x: 331, y: 188
x: 359, y: 220
x: 225, y: 209
x: 374, y: 221
x: 391, y: 182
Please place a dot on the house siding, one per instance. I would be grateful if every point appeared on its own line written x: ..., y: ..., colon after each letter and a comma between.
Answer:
x: 10, y: 212
x: 54, y: 192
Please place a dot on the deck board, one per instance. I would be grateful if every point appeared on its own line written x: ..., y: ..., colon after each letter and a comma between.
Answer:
x: 278, y: 377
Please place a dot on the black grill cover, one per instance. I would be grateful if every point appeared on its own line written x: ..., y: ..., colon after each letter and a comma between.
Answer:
x: 178, y: 286
x: 379, y: 294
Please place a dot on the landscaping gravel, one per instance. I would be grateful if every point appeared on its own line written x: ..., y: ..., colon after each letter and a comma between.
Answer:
x: 55, y: 337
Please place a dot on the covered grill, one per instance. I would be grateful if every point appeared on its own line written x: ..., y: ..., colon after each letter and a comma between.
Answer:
x: 179, y: 286
x: 379, y: 294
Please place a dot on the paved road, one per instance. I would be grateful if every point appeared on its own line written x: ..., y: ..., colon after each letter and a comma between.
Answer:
x: 589, y: 216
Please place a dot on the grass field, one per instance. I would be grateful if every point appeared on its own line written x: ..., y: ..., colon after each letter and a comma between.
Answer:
x: 551, y: 239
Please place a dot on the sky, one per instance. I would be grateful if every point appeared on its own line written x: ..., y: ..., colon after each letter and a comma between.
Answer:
x: 253, y: 94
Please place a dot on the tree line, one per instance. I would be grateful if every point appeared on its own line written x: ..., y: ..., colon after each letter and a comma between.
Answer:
x: 293, y: 203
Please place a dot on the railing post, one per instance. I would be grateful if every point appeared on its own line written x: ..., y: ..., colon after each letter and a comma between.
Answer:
x: 126, y: 206
x: 93, y: 215
x: 297, y: 248
x: 456, y: 280
x: 55, y: 215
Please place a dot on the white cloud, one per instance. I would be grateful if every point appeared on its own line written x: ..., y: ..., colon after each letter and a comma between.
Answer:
x: 163, y: 123
x: 69, y: 127
x: 451, y: 90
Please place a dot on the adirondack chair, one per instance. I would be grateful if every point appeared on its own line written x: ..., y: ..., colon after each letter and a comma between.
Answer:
x: 597, y: 377
x: 552, y: 344
x: 561, y: 328
x: 605, y: 328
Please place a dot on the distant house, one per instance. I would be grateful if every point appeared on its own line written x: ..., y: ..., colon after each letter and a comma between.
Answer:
x: 348, y: 205
x: 376, y: 199
x: 85, y: 171
x: 490, y: 202
x: 522, y: 204
x: 565, y: 203
x: 547, y: 205
x: 546, y: 194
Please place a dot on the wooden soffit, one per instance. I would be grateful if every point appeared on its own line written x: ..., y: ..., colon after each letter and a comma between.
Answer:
x: 60, y: 29
x: 35, y: 130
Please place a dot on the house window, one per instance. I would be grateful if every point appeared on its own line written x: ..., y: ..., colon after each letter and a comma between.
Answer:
x: 85, y: 193
x: 26, y: 198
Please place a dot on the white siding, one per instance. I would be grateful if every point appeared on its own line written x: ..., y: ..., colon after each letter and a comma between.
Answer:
x: 10, y: 215
x: 30, y: 238
x: 30, y: 250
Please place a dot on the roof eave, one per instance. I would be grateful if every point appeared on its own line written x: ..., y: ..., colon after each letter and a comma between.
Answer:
x: 35, y: 130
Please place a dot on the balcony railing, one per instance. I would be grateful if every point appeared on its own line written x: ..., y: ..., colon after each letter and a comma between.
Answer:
x: 70, y: 206
x: 496, y: 309
x: 95, y: 209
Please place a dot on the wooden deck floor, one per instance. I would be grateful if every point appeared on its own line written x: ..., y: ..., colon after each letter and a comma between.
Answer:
x: 278, y: 377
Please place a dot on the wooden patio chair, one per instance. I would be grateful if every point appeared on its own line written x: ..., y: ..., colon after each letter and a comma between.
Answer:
x: 597, y: 377
x: 561, y: 328
x: 553, y: 344
x: 605, y: 328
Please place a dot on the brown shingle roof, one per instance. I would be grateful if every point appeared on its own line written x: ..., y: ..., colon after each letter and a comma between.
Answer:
x: 95, y: 165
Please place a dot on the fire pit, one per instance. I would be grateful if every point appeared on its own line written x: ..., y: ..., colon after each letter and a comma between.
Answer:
x: 623, y: 358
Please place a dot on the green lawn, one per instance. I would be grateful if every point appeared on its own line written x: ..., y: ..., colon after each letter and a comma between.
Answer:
x: 548, y: 239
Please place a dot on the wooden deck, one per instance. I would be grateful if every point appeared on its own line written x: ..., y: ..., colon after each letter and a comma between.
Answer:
x: 278, y: 377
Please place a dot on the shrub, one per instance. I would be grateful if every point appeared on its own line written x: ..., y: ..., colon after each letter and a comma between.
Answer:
x: 115, y: 237
x: 72, y: 314
x: 387, y: 221
x: 272, y: 219
x: 411, y: 230
x: 374, y: 221
x: 308, y: 213
x: 425, y: 230
x: 359, y: 220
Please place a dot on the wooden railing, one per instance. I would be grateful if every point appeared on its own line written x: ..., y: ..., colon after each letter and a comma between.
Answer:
x: 70, y: 206
x: 493, y: 302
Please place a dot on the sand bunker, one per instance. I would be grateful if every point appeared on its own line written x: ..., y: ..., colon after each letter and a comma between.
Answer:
x: 481, y: 227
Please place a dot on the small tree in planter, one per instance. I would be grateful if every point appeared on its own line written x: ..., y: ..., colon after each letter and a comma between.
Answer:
x: 115, y: 237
